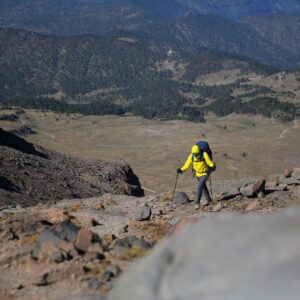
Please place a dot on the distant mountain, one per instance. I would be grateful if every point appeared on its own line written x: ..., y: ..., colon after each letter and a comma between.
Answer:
x: 283, y: 30
x: 70, y: 17
x: 239, y: 9
x: 35, y: 64
x: 194, y: 32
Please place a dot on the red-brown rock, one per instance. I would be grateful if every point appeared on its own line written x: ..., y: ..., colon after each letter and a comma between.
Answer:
x: 287, y: 173
x: 259, y: 186
x: 54, y: 215
x: 183, y: 224
x: 68, y: 248
x: 84, y: 239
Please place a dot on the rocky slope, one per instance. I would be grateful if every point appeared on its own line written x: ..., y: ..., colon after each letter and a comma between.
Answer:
x: 75, y: 249
x: 30, y: 174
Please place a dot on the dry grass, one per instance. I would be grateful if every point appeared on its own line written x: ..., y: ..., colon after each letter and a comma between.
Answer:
x: 75, y: 207
x: 99, y: 206
x: 133, y: 253
x: 29, y: 239
x: 97, y: 268
x: 156, y: 148
x: 154, y: 231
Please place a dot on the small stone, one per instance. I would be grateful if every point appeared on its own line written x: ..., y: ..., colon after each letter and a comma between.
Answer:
x: 130, y: 242
x: 283, y: 187
x: 86, y: 220
x: 94, y: 283
x: 144, y: 214
x: 261, y: 195
x: 218, y: 207
x: 94, y: 251
x: 57, y: 257
x: 272, y: 184
x: 254, y: 205
x: 111, y: 272
x: 8, y: 235
x: 287, y: 173
x: 54, y: 215
x: 180, y: 198
x: 46, y: 250
x: 68, y: 248
x: 259, y: 186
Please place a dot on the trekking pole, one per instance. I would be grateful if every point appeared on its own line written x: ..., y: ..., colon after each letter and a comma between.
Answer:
x: 210, y: 186
x: 175, y: 186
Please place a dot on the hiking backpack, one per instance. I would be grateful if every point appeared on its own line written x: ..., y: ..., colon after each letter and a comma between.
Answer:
x: 204, y: 147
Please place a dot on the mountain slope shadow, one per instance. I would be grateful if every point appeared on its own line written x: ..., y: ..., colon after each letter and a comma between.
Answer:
x: 11, y: 140
x: 7, y: 185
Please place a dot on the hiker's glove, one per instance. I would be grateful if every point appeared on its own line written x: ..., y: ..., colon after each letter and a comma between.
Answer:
x: 179, y: 171
x: 213, y: 168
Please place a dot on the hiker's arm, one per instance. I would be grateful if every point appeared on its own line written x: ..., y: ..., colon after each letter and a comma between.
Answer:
x: 187, y: 164
x: 208, y: 161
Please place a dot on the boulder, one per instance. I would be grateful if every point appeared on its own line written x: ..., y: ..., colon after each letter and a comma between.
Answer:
x: 223, y: 257
x: 144, y: 213
x: 246, y: 190
x: 180, y: 198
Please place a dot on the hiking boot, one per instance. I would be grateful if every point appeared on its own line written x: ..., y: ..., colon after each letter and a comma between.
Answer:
x: 196, y: 206
x: 206, y: 202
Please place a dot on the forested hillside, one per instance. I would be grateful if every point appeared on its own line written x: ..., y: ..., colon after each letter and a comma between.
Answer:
x: 100, y: 75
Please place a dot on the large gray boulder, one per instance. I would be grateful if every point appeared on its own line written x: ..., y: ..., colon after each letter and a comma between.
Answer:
x: 225, y: 257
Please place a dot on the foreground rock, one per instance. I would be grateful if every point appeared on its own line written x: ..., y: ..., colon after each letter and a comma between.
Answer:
x: 231, y: 257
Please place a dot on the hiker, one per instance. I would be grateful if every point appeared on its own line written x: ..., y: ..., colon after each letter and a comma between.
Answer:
x: 202, y: 166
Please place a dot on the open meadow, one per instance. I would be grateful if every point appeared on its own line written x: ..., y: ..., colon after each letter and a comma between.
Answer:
x: 243, y: 146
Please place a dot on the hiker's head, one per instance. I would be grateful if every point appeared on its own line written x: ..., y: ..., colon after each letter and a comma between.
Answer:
x: 195, y: 151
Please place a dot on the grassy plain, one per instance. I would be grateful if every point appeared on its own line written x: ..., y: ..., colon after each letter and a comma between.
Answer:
x: 156, y: 148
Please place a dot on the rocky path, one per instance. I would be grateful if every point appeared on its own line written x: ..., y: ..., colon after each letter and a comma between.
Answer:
x: 78, y: 247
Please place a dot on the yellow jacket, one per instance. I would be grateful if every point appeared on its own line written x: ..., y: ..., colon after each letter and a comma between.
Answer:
x: 200, y: 166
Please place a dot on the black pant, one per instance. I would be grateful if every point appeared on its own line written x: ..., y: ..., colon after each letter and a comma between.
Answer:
x: 202, y: 187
